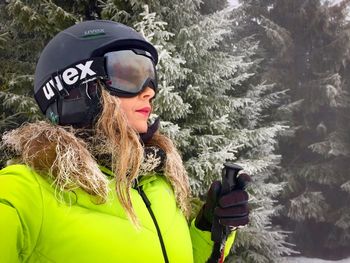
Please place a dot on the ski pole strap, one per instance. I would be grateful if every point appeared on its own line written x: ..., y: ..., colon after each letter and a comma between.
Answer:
x: 219, y: 236
x: 222, y: 252
x: 216, y: 256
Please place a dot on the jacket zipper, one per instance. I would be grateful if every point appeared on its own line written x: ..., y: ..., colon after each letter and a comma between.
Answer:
x: 148, y: 205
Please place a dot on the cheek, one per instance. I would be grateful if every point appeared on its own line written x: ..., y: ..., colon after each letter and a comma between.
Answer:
x: 135, y: 120
x: 127, y: 107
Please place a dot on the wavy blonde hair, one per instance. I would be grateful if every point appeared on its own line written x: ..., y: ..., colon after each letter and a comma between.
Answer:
x: 70, y: 163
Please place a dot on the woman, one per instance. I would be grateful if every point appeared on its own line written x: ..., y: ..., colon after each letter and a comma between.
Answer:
x: 98, y: 184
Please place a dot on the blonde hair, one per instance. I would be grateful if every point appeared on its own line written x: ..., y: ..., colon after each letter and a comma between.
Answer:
x: 56, y: 150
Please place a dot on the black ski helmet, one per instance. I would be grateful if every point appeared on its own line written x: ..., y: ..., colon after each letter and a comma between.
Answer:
x: 72, y: 52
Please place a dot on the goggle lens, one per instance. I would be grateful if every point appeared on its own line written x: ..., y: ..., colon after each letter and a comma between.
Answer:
x: 129, y: 72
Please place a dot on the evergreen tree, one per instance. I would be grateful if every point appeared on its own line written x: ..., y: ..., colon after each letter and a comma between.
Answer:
x: 256, y: 130
x: 306, y: 43
x: 211, y: 6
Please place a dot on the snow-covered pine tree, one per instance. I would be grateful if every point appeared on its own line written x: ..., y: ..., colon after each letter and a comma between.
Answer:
x: 211, y: 6
x: 309, y: 55
x: 255, y: 128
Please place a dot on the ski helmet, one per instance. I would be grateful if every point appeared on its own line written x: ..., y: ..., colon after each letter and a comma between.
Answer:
x: 79, y: 55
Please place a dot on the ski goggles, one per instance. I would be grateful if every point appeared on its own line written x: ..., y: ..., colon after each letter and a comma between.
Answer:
x: 129, y: 72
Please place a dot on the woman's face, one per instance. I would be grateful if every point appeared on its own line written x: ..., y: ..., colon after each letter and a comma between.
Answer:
x: 137, y: 109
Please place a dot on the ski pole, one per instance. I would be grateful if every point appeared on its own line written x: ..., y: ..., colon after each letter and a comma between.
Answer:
x: 219, y: 232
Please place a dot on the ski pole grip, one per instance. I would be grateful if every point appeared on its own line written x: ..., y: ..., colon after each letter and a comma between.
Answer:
x: 229, y: 177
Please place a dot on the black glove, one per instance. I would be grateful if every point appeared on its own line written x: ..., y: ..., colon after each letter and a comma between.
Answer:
x: 231, y: 209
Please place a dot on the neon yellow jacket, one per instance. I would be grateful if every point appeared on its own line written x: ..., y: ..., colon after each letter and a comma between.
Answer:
x: 36, y: 225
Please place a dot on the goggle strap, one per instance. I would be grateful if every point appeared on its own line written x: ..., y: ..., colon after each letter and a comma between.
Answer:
x: 60, y: 83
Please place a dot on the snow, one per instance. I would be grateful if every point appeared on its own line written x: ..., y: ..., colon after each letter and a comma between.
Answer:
x: 314, y: 260
x: 336, y: 2
x: 233, y: 3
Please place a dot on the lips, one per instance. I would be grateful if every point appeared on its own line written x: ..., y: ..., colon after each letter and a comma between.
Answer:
x: 144, y: 111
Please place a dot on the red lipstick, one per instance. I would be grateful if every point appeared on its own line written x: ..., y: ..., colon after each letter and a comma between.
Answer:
x: 144, y: 111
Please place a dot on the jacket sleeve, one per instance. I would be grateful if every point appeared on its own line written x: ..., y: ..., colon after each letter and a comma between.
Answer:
x: 20, y: 213
x: 203, y: 245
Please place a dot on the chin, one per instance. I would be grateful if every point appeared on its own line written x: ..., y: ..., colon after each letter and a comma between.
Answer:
x: 141, y: 129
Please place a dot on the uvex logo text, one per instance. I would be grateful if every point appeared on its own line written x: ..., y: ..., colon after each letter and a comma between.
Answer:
x: 69, y: 76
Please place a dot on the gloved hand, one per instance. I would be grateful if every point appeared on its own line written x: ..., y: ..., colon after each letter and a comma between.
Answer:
x: 231, y: 209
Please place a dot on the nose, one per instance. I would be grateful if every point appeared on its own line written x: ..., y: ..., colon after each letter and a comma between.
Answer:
x: 148, y: 93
